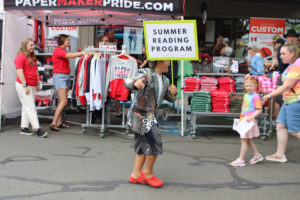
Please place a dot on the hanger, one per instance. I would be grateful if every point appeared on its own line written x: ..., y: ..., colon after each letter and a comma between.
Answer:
x: 124, y: 52
x: 95, y: 55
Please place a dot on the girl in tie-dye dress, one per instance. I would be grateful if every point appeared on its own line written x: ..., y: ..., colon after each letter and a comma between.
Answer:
x: 251, y: 108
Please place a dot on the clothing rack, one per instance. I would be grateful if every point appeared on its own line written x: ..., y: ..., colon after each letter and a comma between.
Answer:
x: 103, y: 125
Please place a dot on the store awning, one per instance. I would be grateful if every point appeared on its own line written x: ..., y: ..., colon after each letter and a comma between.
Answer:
x: 91, y: 12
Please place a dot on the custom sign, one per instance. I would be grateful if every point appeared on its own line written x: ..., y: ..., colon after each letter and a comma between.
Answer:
x: 174, y: 7
x: 69, y: 30
x: 262, y: 31
x: 171, y: 40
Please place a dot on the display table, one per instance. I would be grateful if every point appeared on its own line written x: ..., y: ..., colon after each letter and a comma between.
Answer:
x: 262, y: 120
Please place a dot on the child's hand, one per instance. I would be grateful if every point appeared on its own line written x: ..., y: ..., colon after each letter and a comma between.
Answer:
x: 249, y: 118
x: 173, y: 89
x: 140, y: 84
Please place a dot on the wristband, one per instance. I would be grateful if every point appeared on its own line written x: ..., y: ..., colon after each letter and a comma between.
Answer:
x: 25, y: 85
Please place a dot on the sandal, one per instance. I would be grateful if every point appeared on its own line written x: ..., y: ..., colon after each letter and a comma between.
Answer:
x: 54, y: 128
x: 276, y: 158
x: 63, y: 125
x: 238, y: 163
x: 256, y: 159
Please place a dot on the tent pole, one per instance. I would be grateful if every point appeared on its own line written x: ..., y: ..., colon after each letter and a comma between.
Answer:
x: 2, y: 65
x: 182, y: 100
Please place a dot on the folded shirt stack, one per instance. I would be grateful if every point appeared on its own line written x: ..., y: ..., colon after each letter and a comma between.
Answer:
x: 208, y: 83
x: 201, y: 101
x: 191, y: 84
x: 236, y: 101
x: 226, y: 84
x: 220, y: 101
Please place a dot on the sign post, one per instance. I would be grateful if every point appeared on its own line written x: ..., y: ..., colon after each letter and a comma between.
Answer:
x: 172, y: 40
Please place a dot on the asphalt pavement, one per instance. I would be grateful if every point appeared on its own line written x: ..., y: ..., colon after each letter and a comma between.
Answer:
x: 70, y: 165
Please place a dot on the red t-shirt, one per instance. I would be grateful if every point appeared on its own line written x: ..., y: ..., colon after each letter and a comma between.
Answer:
x: 29, y: 69
x: 60, y: 62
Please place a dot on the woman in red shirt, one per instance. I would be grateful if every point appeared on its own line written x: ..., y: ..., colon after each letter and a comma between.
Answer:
x: 27, y: 84
x: 61, y: 77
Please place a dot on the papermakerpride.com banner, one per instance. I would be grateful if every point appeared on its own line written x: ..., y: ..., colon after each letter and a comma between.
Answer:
x: 164, y: 7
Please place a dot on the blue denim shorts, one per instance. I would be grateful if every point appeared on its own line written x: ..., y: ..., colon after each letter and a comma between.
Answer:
x: 61, y: 81
x: 289, y: 116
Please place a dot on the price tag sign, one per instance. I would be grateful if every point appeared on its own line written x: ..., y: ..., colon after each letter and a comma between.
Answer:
x: 108, y: 47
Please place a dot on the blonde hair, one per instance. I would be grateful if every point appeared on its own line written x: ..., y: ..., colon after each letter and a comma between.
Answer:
x: 23, y: 49
x: 251, y: 79
x: 292, y: 47
x: 220, y: 39
x: 100, y: 39
x: 255, y: 49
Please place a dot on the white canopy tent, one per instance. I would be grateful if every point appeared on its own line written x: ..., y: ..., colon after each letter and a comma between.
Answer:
x: 18, y: 25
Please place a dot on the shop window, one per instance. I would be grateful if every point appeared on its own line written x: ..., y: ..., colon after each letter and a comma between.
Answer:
x: 118, y: 34
x: 292, y: 23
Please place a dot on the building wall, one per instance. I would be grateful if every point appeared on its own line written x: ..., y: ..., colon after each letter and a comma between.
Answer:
x: 230, y: 18
x: 86, y: 36
x: 244, y: 8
